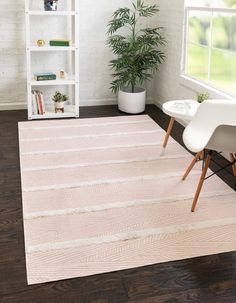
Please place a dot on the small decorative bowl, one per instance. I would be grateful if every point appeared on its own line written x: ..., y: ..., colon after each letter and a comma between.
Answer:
x: 40, y: 43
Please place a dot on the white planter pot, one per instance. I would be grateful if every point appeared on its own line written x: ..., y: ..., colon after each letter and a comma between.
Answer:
x: 132, y: 103
x: 59, y: 105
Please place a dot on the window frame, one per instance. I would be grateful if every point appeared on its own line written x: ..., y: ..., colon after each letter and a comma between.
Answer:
x: 189, y: 80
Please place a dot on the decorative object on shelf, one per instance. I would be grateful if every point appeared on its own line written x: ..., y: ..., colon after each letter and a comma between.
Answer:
x: 202, y: 97
x: 44, y: 76
x: 50, y: 5
x: 59, y: 42
x: 59, y: 100
x: 40, y: 42
x: 63, y: 74
x: 137, y: 54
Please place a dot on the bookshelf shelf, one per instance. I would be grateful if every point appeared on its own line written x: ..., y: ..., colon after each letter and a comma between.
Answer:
x: 54, y: 58
x: 35, y: 48
x: 53, y: 116
x: 50, y: 113
x: 53, y: 82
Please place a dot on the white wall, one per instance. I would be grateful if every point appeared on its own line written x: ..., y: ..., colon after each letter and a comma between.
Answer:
x: 171, y: 18
x: 94, y: 54
x: 12, y: 55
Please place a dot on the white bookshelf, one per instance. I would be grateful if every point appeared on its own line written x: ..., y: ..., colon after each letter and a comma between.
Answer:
x: 36, y: 18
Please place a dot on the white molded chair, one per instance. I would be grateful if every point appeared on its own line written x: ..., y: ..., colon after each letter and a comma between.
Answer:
x: 212, y: 128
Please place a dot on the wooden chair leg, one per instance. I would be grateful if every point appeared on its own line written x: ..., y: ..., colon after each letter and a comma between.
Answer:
x: 201, y: 181
x: 232, y: 158
x: 202, y: 155
x: 196, y: 158
x: 169, y: 130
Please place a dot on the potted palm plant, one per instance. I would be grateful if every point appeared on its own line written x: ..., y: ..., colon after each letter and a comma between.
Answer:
x: 137, y: 54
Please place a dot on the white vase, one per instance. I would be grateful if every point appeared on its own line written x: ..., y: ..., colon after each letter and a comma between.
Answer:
x: 132, y: 103
x: 59, y: 105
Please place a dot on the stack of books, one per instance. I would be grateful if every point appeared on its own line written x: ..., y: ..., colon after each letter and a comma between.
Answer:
x: 38, y: 106
x: 45, y: 76
x: 57, y: 42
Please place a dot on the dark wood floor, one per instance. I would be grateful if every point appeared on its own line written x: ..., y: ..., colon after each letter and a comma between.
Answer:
x: 206, y: 279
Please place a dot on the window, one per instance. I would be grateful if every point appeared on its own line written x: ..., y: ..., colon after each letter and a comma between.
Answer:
x: 210, y: 43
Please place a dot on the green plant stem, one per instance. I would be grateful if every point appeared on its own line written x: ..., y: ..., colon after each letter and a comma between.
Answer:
x: 133, y: 38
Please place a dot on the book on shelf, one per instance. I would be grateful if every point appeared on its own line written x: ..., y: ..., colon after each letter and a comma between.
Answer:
x: 35, y: 109
x: 45, y: 76
x: 38, y: 105
x: 59, y: 42
x: 41, y: 103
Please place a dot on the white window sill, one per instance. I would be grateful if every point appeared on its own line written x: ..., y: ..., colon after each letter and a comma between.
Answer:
x: 200, y: 87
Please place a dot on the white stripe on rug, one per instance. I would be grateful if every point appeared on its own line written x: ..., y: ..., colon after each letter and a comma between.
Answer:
x: 130, y: 235
x: 92, y: 148
x: 92, y: 136
x: 126, y: 204
x: 140, y: 190
x: 83, y: 125
x: 177, y: 156
x: 108, y: 181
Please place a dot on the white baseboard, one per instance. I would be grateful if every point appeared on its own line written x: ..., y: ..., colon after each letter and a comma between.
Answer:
x: 157, y: 103
x: 97, y: 102
x: 12, y: 106
x: 108, y: 101
x: 89, y: 102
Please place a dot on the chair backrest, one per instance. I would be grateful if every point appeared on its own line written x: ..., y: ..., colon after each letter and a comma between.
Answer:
x: 213, y: 126
x: 223, y: 139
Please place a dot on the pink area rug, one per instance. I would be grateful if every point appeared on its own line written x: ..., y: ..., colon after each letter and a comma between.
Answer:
x: 98, y: 196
